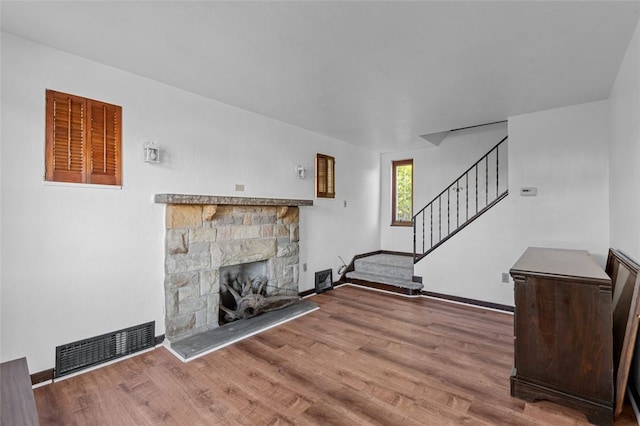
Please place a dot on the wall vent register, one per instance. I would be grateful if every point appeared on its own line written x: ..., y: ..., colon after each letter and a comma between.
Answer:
x: 93, y: 351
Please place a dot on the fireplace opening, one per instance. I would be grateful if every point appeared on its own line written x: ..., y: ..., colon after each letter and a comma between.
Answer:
x: 242, y: 288
x: 245, y: 292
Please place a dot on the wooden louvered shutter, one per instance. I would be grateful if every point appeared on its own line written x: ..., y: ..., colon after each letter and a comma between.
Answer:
x: 104, y: 146
x: 331, y: 187
x: 66, y: 135
x: 83, y: 142
x: 325, y: 176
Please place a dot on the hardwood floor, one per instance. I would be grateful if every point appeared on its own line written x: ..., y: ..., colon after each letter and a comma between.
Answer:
x: 355, y: 361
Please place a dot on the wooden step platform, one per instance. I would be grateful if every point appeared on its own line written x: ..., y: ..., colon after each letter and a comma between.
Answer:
x: 385, y: 271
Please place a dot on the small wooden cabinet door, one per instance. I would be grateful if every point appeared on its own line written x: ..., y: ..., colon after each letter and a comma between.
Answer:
x: 563, y: 332
x: 563, y: 336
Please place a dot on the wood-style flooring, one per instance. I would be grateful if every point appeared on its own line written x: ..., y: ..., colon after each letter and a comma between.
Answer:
x: 363, y: 358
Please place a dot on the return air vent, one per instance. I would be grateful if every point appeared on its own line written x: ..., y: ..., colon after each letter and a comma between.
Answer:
x: 86, y: 353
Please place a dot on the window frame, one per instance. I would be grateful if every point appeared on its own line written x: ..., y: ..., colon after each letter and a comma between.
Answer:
x: 91, y: 146
x: 394, y: 186
x: 325, y: 181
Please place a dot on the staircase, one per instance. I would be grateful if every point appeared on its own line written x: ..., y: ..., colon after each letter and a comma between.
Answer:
x: 472, y: 194
x: 385, y: 271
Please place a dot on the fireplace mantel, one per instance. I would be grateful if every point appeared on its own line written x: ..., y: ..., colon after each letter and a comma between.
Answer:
x: 223, y: 200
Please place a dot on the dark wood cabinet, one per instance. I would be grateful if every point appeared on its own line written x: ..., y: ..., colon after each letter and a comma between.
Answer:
x: 563, y: 331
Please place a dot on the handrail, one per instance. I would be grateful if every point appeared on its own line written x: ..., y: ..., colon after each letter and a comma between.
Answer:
x: 461, y: 176
x: 435, y: 240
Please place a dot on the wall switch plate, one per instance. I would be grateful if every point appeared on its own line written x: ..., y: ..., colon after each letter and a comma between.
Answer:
x: 304, y: 267
x: 239, y: 187
x: 529, y: 191
x: 345, y: 203
x: 505, y: 278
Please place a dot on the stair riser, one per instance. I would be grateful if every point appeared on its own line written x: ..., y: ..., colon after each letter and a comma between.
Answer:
x: 380, y: 269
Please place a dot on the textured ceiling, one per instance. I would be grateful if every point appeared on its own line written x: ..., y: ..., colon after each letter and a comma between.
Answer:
x: 374, y: 74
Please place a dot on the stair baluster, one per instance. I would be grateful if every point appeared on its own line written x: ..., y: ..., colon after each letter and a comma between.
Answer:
x: 422, y: 245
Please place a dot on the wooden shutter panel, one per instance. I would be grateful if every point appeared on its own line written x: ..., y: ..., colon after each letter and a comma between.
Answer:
x: 65, y: 139
x: 83, y: 140
x: 331, y: 188
x: 104, y: 147
x: 321, y: 181
x: 325, y: 176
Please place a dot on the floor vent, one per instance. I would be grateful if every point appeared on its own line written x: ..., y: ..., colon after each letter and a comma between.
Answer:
x: 86, y: 353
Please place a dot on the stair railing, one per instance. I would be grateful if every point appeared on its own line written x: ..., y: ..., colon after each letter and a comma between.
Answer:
x: 474, y: 192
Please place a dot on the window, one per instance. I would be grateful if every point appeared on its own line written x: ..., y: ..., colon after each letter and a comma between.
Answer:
x: 325, y: 176
x: 83, y: 140
x: 402, y: 196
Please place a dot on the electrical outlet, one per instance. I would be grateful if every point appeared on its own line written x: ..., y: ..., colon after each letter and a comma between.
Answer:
x: 304, y: 267
x: 239, y: 187
x: 505, y: 278
x: 345, y: 203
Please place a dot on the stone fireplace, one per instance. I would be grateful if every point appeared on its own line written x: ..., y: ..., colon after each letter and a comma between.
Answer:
x: 207, y: 233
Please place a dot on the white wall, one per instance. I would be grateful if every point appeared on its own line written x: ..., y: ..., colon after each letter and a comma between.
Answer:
x: 564, y: 153
x: 77, y: 261
x: 625, y: 154
x: 434, y: 168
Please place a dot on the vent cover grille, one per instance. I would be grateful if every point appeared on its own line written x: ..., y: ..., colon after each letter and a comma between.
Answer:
x: 87, y: 353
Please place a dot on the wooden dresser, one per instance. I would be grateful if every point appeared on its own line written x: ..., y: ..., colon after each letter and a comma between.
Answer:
x: 562, y: 327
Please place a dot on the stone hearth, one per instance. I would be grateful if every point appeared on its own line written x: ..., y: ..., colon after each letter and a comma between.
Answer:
x: 205, y: 233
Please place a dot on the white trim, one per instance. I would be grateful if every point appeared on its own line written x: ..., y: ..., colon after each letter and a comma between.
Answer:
x: 409, y: 296
x: 80, y: 185
x: 39, y: 385
x: 95, y: 367
x: 428, y: 297
x: 467, y: 304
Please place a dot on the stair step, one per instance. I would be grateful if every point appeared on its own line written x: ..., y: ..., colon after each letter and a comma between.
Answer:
x: 385, y: 279
x: 394, y: 266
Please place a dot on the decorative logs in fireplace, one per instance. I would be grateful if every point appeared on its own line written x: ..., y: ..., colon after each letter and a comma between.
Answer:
x: 249, y: 298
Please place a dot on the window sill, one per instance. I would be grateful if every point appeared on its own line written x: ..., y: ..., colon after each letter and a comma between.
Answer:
x: 405, y: 224
x: 81, y: 185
